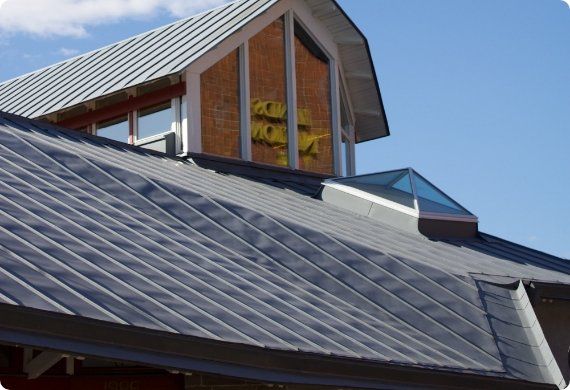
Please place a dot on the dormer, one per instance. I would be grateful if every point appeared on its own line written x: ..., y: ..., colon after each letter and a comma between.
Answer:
x: 220, y: 85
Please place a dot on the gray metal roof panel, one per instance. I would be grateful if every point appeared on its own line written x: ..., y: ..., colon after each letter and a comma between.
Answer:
x: 169, y: 50
x: 108, y: 231
x: 521, y: 341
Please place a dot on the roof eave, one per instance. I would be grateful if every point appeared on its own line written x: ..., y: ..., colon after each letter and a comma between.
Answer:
x: 98, y: 339
x: 385, y: 131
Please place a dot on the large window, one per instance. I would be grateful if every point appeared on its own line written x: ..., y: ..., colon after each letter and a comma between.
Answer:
x: 268, y: 91
x: 116, y: 129
x: 154, y: 120
x: 314, y: 114
x: 220, y: 104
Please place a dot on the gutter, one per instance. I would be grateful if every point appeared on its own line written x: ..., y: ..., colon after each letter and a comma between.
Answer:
x: 98, y: 339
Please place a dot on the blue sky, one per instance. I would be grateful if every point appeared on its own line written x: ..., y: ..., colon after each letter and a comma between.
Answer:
x: 477, y: 95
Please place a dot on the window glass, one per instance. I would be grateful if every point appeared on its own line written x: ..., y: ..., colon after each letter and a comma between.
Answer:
x: 154, y: 120
x: 344, y: 121
x: 313, y: 105
x: 117, y: 129
x: 345, y: 153
x: 433, y: 200
x: 220, y: 105
x: 268, y: 92
x: 394, y: 185
x: 183, y: 120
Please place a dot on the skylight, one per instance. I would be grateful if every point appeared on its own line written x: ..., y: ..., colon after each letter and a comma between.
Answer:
x: 404, y: 190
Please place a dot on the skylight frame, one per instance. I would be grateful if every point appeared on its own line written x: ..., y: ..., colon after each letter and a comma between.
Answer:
x: 412, y: 211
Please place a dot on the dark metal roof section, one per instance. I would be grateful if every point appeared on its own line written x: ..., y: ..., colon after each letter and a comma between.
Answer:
x: 169, y: 50
x: 404, y: 199
x: 110, y: 236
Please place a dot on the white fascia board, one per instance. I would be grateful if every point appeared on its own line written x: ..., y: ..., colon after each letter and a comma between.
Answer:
x: 315, y: 28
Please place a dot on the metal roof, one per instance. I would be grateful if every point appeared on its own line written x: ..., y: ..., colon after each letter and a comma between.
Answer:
x: 171, y: 49
x: 97, y: 229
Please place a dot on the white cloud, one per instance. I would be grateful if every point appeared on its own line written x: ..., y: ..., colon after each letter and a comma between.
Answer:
x: 74, y: 17
x: 64, y: 51
x: 567, y: 2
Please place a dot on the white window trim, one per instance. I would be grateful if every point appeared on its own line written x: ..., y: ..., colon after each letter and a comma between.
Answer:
x: 193, y: 141
x: 178, y: 124
x: 291, y: 77
x: 245, y: 102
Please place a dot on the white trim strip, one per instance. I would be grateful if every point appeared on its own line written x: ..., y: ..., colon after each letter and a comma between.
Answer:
x: 291, y: 74
x: 245, y: 102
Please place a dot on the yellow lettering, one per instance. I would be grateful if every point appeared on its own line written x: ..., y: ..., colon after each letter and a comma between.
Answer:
x: 274, y: 134
x: 278, y: 110
x: 257, y: 107
x: 304, y: 117
x: 275, y: 110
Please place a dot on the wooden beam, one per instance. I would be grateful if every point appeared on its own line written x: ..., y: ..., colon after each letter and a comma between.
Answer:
x: 70, y: 365
x: 122, y: 108
x: 41, y: 363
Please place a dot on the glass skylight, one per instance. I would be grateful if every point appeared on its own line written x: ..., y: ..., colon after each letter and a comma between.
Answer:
x: 404, y: 190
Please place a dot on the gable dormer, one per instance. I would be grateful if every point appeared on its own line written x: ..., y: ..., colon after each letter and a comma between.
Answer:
x: 220, y: 84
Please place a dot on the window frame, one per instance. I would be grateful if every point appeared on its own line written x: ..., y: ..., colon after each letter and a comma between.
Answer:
x: 176, y: 124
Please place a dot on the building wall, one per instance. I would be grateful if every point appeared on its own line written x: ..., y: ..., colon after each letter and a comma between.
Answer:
x: 220, y: 96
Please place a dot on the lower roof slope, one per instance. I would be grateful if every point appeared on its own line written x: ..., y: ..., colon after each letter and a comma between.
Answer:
x: 106, y: 231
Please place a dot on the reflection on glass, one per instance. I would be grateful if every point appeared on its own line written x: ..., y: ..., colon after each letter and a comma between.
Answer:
x: 402, y: 186
x: 154, y: 120
x: 395, y: 186
x: 344, y: 122
x: 313, y: 105
x: 268, y: 91
x: 116, y: 129
x: 220, y: 105
x: 344, y: 156
x: 432, y: 200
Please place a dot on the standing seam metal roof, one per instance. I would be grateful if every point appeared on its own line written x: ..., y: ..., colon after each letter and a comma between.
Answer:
x: 102, y: 230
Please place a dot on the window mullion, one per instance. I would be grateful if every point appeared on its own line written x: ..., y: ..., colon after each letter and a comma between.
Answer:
x: 245, y: 102
x: 292, y: 132
x: 335, y: 120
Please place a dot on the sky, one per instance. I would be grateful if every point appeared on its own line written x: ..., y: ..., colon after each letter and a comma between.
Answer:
x: 477, y: 93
